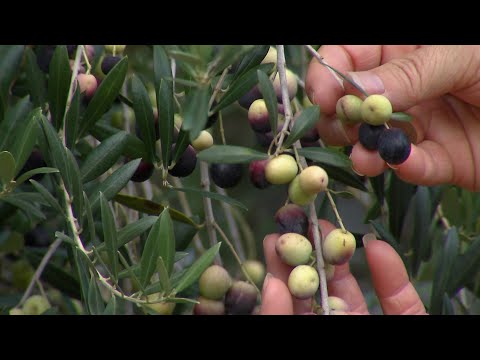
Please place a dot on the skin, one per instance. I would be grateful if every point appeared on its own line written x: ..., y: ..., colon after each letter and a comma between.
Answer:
x: 395, y: 292
x: 438, y: 85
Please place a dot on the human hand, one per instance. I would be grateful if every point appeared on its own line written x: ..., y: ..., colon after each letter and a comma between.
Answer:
x: 395, y: 292
x: 438, y: 85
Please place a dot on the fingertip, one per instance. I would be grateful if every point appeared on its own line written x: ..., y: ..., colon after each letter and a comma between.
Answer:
x: 276, y: 298
x: 367, y: 162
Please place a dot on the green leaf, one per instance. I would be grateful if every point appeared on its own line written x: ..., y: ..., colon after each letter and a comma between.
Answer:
x: 401, y: 116
x: 113, y: 184
x: 25, y: 139
x: 111, y: 308
x: 423, y: 220
x: 161, y: 65
x: 73, y: 118
x: 241, y: 86
x: 325, y: 155
x: 465, y: 268
x: 134, y: 149
x: 163, y: 275
x: 43, y: 170
x: 228, y: 55
x: 35, y: 78
x: 443, y: 271
x: 184, y: 56
x: 196, y: 111
x: 57, y: 152
x: 150, y: 253
x: 212, y: 195
x: 15, y: 117
x: 47, y: 196
x: 229, y: 154
x: 109, y: 235
x: 398, y: 198
x: 305, y: 122
x: 197, y: 269
x: 252, y: 59
x: 83, y: 273
x: 76, y: 193
x: 96, y: 306
x: 7, y: 167
x: 58, y: 84
x: 151, y: 208
x: 181, y: 145
x: 345, y: 176
x: 183, y: 235
x: 378, y: 186
x: 10, y: 61
x: 103, y: 157
x: 132, y: 230
x: 104, y: 96
x: 165, y: 119
x: 90, y: 222
x: 142, y: 107
x: 167, y: 241
x: 28, y: 208
x: 268, y: 93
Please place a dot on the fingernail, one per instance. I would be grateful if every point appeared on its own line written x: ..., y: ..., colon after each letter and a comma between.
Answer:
x: 392, y: 167
x: 368, y: 81
x: 265, y: 282
x: 356, y: 172
x: 367, y: 237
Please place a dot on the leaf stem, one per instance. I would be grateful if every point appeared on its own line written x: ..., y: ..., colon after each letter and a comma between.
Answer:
x: 335, y: 210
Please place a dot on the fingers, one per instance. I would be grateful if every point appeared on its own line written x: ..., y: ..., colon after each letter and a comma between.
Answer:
x: 390, y: 279
x: 276, y: 298
x: 322, y: 87
x: 344, y: 286
x: 423, y: 74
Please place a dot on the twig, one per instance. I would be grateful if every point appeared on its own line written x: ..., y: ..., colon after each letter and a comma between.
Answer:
x: 282, y: 72
x: 232, y: 225
x: 442, y: 217
x: 225, y: 238
x: 222, y: 129
x: 46, y: 258
x: 207, y: 204
x: 335, y: 210
x: 76, y: 66
x: 312, y: 212
x: 218, y: 87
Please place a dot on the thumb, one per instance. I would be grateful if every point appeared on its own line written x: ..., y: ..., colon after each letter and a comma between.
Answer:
x: 421, y: 75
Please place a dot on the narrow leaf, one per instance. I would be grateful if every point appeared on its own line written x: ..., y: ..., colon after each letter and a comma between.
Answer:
x: 241, y: 86
x: 73, y: 119
x: 163, y: 275
x: 47, y: 196
x: 165, y: 119
x: 197, y: 269
x: 305, y: 122
x: 325, y: 155
x: 151, y: 208
x: 229, y: 154
x: 14, y: 117
x: 25, y: 139
x: 109, y: 234
x: 96, y: 306
x: 59, y: 84
x: 150, y: 254
x: 167, y: 241
x: 7, y: 167
x: 113, y: 184
x: 196, y: 111
x: 134, y: 148
x: 43, y: 170
x: 35, y: 78
x: 105, y: 95
x: 142, y: 107
x: 346, y: 177
x: 103, y: 157
x: 268, y: 93
x: 252, y: 59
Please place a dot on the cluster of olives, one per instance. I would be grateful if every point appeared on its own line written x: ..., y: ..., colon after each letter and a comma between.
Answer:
x: 392, y: 144
x: 221, y: 295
